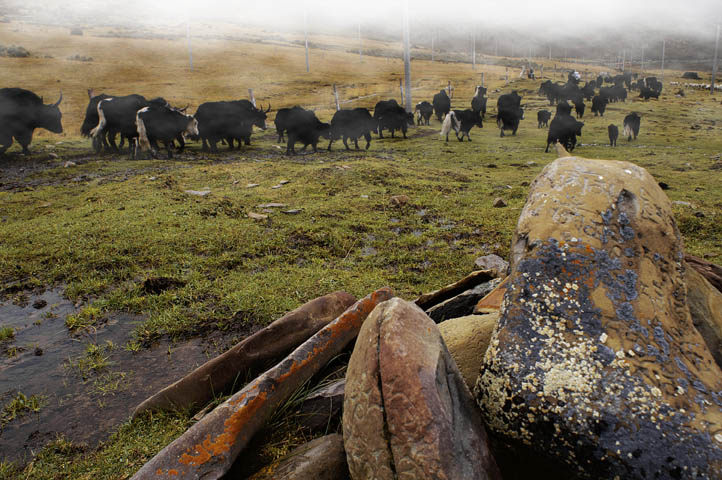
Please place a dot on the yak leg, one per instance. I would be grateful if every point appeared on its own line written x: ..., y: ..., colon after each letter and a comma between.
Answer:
x: 24, y: 140
x: 329, y: 144
x: 355, y: 142
x: 290, y: 145
x: 403, y: 131
x: 367, y: 136
x: 169, y: 147
x: 230, y: 143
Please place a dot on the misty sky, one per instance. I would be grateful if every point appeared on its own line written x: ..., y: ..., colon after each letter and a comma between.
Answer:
x: 579, y: 16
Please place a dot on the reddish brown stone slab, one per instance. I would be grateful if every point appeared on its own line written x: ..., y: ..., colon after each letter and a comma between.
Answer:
x: 410, y: 415
x: 249, y: 357
x: 207, y: 450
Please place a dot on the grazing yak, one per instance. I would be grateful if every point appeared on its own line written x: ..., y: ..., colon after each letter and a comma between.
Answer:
x: 230, y: 121
x: 392, y: 116
x: 543, y: 117
x: 461, y: 121
x: 564, y: 128
x: 631, y: 126
x: 281, y: 121
x: 423, y: 111
x: 599, y: 105
x: 162, y: 124
x: 116, y: 115
x: 478, y: 103
x: 441, y: 104
x: 21, y: 112
x: 352, y: 124
x: 303, y: 126
x: 509, y: 112
x: 613, y: 134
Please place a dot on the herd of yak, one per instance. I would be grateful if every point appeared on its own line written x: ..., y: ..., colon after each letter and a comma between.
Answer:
x: 144, y: 124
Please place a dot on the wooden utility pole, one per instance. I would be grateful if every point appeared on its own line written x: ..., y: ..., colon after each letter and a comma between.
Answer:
x: 305, y: 32
x: 473, y: 51
x: 664, y: 42
x: 714, y: 65
x: 433, y: 34
x: 335, y: 96
x: 407, y: 57
x: 190, y: 49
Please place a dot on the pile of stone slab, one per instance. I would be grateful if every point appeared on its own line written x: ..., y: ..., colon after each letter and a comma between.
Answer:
x: 595, y: 354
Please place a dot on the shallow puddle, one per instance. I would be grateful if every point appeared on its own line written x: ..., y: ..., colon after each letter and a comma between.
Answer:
x: 42, y: 360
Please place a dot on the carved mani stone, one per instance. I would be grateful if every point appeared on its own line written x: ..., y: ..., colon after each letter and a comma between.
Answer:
x: 407, y: 412
x: 595, y: 362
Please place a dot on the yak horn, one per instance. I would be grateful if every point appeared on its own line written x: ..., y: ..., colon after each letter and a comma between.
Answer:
x: 59, y: 99
x: 90, y: 93
x: 184, y: 108
x: 269, y: 107
x: 561, y: 151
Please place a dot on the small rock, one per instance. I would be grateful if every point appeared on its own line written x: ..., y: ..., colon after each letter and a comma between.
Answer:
x: 45, y: 205
x: 699, y: 214
x: 321, y: 459
x: 364, y: 196
x: 38, y: 351
x: 272, y: 205
x: 467, y: 339
x: 292, y: 211
x: 199, y: 193
x: 323, y: 407
x: 251, y: 185
x: 152, y: 178
x: 524, y: 184
x: 493, y: 262
x: 69, y: 164
x: 40, y: 303
x: 398, y: 200
x: 499, y: 203
x: 234, y: 182
x: 276, y: 186
x: 283, y: 182
x: 682, y: 203
x: 53, y: 155
x: 257, y: 216
x: 663, y: 186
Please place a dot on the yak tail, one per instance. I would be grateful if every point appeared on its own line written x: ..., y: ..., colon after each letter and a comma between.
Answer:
x: 143, y: 141
x: 101, y: 120
x: 627, y: 130
x: 450, y: 121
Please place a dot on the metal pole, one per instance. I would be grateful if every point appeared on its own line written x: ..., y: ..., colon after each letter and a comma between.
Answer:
x: 550, y: 52
x: 250, y: 95
x: 714, y: 66
x: 624, y: 53
x: 401, y: 89
x: 305, y: 31
x: 448, y: 88
x: 407, y: 57
x: 482, y: 79
x: 641, y: 63
x: 360, y: 50
x: 496, y: 47
x: 190, y: 49
x: 335, y: 96
x: 663, y: 45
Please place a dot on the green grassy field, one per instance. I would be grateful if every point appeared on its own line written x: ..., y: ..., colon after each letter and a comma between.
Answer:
x: 103, y: 226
